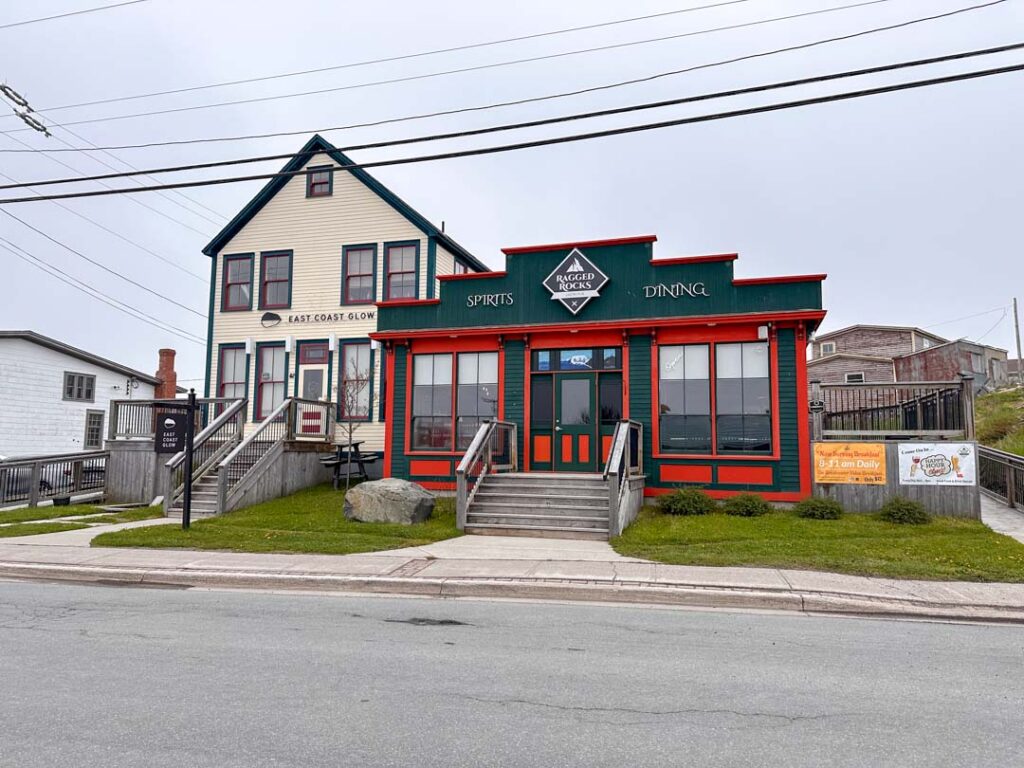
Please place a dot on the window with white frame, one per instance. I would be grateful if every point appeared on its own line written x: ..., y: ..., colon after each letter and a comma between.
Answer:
x: 432, y: 402
x: 855, y: 378
x: 828, y: 347
x: 684, y: 398
x: 743, y: 398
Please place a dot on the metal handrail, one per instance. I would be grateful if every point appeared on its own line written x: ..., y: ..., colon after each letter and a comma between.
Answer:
x: 619, y: 469
x: 1001, y: 475
x: 18, y: 461
x: 175, y: 487
x: 134, y: 419
x: 254, y: 436
x: 204, y: 435
x: 481, y: 452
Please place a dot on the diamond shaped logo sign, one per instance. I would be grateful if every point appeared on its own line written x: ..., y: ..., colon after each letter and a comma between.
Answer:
x: 575, y: 281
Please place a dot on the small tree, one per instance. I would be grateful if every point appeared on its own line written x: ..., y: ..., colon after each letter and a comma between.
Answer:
x: 356, y: 403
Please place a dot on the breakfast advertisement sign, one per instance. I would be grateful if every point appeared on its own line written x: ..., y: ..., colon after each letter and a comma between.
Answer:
x: 937, y: 464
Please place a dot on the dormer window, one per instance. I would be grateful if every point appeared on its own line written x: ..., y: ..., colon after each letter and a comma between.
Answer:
x: 828, y: 347
x: 319, y: 182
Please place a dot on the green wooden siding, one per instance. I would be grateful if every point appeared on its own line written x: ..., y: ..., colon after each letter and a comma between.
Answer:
x: 399, y: 393
x: 515, y: 389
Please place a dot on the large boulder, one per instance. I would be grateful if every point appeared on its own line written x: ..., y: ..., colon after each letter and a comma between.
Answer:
x: 388, y: 501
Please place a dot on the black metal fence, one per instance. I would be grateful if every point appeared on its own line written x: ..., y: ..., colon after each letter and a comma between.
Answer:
x: 1001, y: 475
x: 942, y: 409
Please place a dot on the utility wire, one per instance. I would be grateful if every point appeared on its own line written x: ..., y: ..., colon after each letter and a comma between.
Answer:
x: 479, y: 67
x: 95, y: 293
x: 120, y: 236
x: 71, y: 13
x: 104, y: 267
x: 549, y: 97
x: 994, y: 326
x: 402, y: 57
x: 142, y: 203
x: 965, y: 317
x: 572, y: 138
x: 540, y: 122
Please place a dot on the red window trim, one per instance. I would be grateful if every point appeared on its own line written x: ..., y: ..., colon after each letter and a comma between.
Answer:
x: 342, y: 380
x: 225, y: 302
x: 304, y: 348
x: 389, y: 272
x: 259, y: 377
x: 220, y: 370
x: 264, y: 282
x: 712, y: 342
x: 372, y: 274
x: 454, y: 350
x: 328, y: 183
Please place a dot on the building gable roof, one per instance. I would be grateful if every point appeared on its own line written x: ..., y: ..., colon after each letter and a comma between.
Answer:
x: 849, y: 356
x: 861, y: 326
x: 80, y: 354
x: 317, y: 145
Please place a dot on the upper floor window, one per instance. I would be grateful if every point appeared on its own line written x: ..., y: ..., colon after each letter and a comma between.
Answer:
x: 460, y: 268
x: 319, y: 182
x: 400, y: 271
x: 276, y: 280
x: 360, y: 272
x: 237, y: 293
x: 80, y: 387
x: 828, y: 347
x: 854, y: 378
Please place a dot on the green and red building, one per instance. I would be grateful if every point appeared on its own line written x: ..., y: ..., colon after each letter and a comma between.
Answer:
x: 572, y: 338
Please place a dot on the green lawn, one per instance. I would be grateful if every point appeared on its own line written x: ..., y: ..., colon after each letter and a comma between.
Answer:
x: 308, y: 521
x: 129, y: 515
x: 32, y: 529
x: 945, y: 549
x: 46, y: 513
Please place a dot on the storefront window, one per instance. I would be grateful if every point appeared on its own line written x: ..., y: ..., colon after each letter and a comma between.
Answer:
x: 743, y: 398
x: 477, y: 393
x: 684, y: 399
x: 432, y: 403
x: 609, y: 391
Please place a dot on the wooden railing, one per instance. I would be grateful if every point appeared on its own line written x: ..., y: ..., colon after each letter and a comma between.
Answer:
x: 495, y: 448
x: 135, y: 419
x: 1001, y: 475
x: 31, y: 479
x: 209, y: 446
x: 625, y: 464
x: 880, y: 410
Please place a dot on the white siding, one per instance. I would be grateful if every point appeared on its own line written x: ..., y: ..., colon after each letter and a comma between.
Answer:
x: 35, y: 418
x: 445, y: 266
x: 315, y: 230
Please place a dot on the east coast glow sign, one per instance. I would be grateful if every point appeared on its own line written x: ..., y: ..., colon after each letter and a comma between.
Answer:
x: 575, y: 281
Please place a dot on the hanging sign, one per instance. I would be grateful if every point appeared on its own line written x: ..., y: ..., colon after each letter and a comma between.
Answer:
x: 575, y: 281
x: 937, y: 464
x: 170, y: 432
x: 849, y: 463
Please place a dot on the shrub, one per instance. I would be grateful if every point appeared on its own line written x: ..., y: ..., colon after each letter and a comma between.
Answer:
x: 819, y: 509
x: 904, y: 511
x: 746, y: 505
x: 686, y: 501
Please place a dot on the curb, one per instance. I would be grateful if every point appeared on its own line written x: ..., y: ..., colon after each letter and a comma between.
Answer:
x: 566, y: 590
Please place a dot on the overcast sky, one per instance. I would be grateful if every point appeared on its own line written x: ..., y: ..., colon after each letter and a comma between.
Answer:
x: 911, y: 202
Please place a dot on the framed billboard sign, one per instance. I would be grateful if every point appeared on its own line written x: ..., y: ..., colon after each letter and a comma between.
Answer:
x: 938, y: 464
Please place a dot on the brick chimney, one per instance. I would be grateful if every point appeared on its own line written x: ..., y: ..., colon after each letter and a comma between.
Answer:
x: 167, y: 389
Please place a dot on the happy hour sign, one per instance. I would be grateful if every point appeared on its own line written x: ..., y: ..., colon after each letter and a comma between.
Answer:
x: 937, y: 464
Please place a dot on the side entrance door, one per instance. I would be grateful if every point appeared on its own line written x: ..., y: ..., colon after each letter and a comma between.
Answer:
x: 313, y: 359
x: 575, y: 445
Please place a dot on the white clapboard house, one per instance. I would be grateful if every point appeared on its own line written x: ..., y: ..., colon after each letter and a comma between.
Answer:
x: 57, y: 397
x: 296, y: 277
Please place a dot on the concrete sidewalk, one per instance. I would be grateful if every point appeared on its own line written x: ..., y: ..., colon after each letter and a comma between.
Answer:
x: 510, y: 567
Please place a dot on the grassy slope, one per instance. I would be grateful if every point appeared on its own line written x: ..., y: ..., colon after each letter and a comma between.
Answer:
x: 308, y: 521
x: 945, y: 549
x: 999, y: 420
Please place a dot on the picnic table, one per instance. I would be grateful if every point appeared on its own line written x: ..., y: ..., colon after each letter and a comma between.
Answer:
x: 340, y: 460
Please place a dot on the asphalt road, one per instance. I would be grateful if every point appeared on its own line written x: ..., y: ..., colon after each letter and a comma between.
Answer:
x: 115, y: 676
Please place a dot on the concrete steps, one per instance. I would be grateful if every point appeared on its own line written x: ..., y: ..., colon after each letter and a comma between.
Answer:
x: 569, y: 506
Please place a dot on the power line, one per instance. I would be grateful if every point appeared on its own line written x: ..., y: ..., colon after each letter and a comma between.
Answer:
x: 141, y: 203
x: 95, y: 293
x: 549, y: 141
x: 540, y: 122
x: 479, y: 67
x: 71, y: 13
x: 994, y: 326
x: 402, y: 57
x: 965, y: 317
x: 549, y: 97
x: 120, y: 236
x: 104, y: 267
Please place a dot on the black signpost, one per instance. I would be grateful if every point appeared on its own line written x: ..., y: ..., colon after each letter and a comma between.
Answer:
x: 175, y: 432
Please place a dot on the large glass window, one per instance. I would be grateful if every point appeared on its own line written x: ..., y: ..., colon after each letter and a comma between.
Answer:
x: 271, y: 384
x: 743, y: 398
x: 684, y: 399
x: 359, y: 269
x: 237, y: 283
x: 432, y: 403
x: 275, y: 281
x: 401, y: 272
x: 231, y: 373
x: 477, y: 394
x: 609, y: 397
x: 356, y: 375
